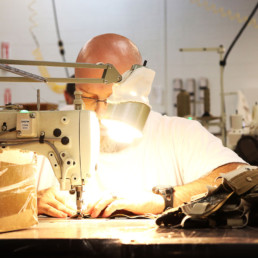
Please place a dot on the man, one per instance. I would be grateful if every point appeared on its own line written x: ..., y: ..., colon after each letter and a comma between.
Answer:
x: 173, y: 150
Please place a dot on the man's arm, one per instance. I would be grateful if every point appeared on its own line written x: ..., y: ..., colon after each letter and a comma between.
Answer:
x: 139, y: 204
x: 153, y: 203
x: 184, y: 193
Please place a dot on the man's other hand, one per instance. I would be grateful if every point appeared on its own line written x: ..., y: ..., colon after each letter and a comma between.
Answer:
x: 51, y: 202
x: 140, y: 204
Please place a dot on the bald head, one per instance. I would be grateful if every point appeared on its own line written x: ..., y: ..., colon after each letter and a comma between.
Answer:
x: 111, y: 48
x: 115, y: 49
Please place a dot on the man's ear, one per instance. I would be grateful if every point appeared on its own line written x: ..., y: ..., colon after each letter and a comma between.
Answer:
x: 67, y: 97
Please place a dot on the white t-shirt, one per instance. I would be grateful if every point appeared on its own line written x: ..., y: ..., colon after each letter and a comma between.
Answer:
x: 173, y: 151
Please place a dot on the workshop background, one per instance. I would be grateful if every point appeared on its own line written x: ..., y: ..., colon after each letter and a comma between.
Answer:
x: 159, y: 27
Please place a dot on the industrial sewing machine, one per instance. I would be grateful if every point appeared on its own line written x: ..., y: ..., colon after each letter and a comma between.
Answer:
x: 69, y: 139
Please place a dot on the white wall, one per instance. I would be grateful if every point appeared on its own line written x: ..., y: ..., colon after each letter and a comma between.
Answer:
x: 190, y: 25
x: 158, y: 27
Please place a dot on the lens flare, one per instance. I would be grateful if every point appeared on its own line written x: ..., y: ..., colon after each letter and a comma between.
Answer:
x: 121, y: 132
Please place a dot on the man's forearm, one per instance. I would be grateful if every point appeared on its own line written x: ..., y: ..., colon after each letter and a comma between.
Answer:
x: 184, y: 193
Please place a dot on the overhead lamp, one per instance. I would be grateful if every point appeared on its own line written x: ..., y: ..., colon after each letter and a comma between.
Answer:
x: 128, y: 107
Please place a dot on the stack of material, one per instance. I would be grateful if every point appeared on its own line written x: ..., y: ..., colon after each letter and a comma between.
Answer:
x: 18, y: 205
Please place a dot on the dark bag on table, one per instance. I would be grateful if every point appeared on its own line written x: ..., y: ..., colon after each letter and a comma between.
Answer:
x: 233, y: 204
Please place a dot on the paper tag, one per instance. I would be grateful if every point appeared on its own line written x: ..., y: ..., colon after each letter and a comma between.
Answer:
x: 25, y: 124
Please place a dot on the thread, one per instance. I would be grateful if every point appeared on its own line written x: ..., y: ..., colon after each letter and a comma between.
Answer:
x: 223, y: 13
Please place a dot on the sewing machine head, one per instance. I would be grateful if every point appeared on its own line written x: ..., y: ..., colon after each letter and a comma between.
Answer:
x: 69, y: 139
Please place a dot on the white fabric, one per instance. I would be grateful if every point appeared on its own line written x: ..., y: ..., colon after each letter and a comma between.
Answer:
x: 135, y: 86
x: 173, y: 151
x: 46, y: 175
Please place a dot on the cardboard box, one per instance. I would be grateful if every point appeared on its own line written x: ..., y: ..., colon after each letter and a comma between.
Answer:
x: 18, y: 196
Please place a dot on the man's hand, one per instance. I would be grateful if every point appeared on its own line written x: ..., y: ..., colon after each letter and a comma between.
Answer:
x: 142, y: 203
x: 51, y: 202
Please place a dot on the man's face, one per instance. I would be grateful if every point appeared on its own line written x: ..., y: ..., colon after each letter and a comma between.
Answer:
x: 94, y: 94
x: 95, y: 97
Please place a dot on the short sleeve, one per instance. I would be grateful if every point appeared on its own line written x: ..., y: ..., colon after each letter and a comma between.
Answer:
x: 198, y: 151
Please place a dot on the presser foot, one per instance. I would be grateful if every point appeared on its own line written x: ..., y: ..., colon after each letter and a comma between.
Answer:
x: 80, y: 215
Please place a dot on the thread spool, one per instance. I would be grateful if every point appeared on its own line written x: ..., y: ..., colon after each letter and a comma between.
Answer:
x: 183, y: 103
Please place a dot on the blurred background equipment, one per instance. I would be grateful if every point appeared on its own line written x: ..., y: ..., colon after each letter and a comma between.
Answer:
x: 207, y: 118
x: 205, y: 88
x: 194, y: 103
x: 243, y: 138
x: 177, y: 87
x: 191, y: 88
